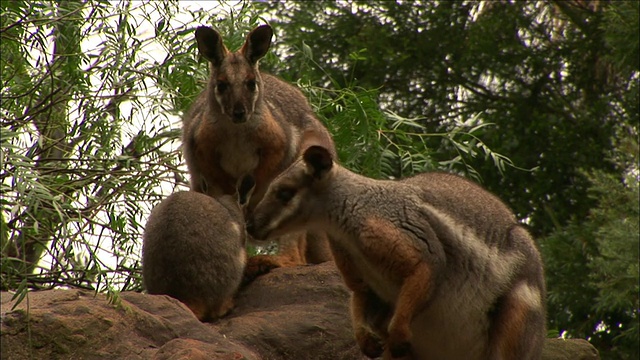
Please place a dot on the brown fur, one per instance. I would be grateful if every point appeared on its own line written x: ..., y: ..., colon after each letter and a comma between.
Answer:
x: 249, y: 123
x: 193, y: 250
x: 438, y: 267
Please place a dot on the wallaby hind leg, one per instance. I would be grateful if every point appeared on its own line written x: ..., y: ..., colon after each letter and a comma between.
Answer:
x: 518, y: 327
x: 515, y: 332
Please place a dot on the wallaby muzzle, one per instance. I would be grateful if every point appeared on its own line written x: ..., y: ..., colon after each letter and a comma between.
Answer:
x: 239, y: 115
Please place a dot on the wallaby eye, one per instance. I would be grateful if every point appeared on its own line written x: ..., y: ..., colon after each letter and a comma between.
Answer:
x: 285, y: 194
x: 221, y: 86
x: 251, y: 85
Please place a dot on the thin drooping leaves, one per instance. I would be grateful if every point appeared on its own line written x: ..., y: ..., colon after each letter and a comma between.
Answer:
x: 92, y: 94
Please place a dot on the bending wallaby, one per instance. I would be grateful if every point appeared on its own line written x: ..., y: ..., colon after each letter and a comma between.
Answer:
x: 438, y: 267
x: 249, y: 123
x: 194, y: 250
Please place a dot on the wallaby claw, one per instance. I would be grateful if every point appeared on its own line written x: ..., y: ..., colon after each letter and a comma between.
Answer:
x: 371, y: 346
x: 400, y: 350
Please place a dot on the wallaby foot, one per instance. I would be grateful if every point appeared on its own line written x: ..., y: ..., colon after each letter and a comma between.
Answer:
x: 369, y: 344
x: 514, y: 328
x: 400, y: 350
x: 198, y: 307
x: 388, y: 355
x: 225, y: 308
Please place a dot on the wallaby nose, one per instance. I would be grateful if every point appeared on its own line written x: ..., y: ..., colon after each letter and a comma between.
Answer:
x: 250, y: 226
x: 239, y: 115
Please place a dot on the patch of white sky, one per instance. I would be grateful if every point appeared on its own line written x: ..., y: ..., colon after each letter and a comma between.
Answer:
x: 143, y: 114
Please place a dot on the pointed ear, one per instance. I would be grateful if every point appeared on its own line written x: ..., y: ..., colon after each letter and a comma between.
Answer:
x: 257, y: 43
x: 245, y: 188
x: 319, y: 159
x: 210, y: 45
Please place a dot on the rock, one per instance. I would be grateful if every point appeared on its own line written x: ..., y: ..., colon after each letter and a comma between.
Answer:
x: 569, y: 349
x: 295, y: 313
x: 290, y: 313
x: 75, y: 324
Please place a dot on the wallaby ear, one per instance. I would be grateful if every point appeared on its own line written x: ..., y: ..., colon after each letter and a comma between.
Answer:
x: 257, y: 43
x: 210, y: 45
x: 319, y: 159
x: 245, y: 188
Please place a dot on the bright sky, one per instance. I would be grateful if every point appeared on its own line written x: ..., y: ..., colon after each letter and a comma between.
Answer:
x: 146, y: 17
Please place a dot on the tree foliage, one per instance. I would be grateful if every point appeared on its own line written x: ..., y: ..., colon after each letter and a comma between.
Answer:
x: 542, y: 72
x: 593, y: 270
x: 91, y: 98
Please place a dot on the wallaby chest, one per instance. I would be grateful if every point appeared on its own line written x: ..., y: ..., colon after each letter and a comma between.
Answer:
x: 237, y: 152
x: 225, y: 152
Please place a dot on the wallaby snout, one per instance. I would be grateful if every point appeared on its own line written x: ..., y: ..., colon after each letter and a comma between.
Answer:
x: 239, y: 115
x: 251, y: 229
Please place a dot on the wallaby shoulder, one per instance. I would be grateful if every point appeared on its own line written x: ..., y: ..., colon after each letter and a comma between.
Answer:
x: 288, y: 103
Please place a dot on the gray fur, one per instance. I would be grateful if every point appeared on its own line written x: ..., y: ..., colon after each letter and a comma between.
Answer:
x: 193, y: 250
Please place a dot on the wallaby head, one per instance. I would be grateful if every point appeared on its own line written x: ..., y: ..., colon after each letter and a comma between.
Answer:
x: 292, y: 197
x: 235, y: 85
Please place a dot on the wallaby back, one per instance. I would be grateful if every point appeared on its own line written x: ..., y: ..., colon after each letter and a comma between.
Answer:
x: 249, y: 123
x: 194, y: 250
x: 438, y: 266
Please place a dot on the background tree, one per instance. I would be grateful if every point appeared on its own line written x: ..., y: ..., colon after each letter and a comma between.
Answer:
x: 540, y: 71
x: 77, y: 170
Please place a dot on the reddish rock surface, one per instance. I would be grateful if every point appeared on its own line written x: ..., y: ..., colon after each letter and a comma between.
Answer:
x: 290, y: 313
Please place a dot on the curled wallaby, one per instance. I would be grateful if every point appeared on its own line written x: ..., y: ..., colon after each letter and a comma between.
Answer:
x: 247, y: 122
x: 439, y: 268
x: 194, y: 250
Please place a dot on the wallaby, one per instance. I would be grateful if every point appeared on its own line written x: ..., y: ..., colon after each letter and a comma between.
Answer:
x: 438, y: 267
x: 194, y: 250
x: 249, y: 123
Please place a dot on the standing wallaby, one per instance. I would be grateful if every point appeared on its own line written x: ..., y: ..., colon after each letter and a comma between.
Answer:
x: 439, y: 268
x: 250, y: 123
x: 194, y: 250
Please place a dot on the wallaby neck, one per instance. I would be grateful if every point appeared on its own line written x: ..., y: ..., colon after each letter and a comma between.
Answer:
x: 354, y: 197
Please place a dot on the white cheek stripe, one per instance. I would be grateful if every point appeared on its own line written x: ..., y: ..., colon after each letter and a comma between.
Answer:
x: 219, y: 100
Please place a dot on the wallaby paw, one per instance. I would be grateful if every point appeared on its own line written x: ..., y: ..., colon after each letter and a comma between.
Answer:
x: 400, y: 350
x: 370, y: 345
x: 372, y: 349
x: 256, y: 266
x: 399, y: 342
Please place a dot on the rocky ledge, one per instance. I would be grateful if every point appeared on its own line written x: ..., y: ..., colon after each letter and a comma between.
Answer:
x: 290, y: 313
